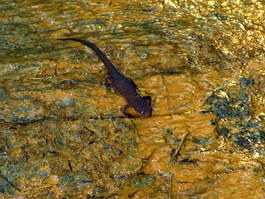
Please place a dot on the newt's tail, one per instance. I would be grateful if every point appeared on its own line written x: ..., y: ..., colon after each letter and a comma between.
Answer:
x: 110, y: 67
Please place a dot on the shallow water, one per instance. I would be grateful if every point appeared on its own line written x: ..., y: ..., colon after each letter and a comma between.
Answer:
x: 62, y: 132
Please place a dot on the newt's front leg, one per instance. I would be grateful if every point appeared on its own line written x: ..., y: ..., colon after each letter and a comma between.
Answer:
x: 125, y: 112
x: 147, y: 99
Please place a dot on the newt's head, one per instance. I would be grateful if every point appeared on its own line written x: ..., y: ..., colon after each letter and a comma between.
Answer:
x: 146, y: 111
x: 143, y: 106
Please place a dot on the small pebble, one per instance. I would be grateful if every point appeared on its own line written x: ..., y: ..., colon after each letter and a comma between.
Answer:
x: 52, y: 180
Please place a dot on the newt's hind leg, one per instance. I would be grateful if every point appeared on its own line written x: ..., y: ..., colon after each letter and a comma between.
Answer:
x: 107, y: 81
x: 125, y: 112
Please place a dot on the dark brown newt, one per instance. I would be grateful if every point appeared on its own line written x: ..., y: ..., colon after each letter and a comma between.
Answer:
x: 124, y: 86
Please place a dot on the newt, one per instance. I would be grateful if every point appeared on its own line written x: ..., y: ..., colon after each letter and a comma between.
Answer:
x: 123, y: 85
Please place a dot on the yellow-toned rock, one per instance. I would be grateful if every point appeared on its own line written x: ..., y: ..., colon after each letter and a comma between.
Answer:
x: 52, y: 180
x: 158, y: 161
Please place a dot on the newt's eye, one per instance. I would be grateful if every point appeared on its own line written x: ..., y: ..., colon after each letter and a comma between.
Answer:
x: 142, y: 112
